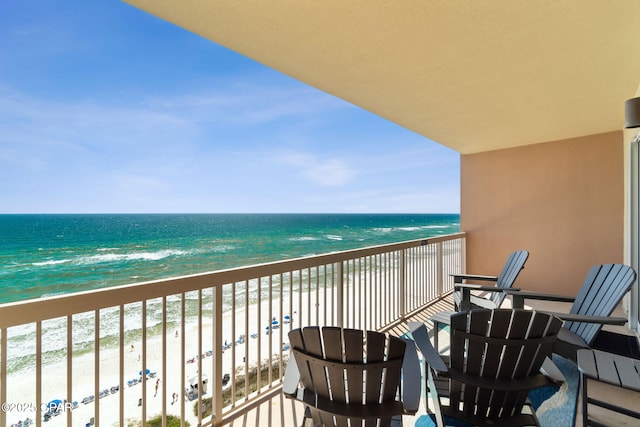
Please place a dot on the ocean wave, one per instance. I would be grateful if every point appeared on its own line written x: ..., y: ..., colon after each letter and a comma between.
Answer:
x: 113, y: 257
x: 131, y: 256
x: 409, y: 228
x: 333, y: 237
x: 383, y: 229
x: 218, y: 248
x: 302, y: 239
x: 50, y: 262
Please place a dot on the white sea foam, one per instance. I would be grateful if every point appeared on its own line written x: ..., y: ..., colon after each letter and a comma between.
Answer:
x: 116, y: 257
x: 218, y: 248
x: 302, y: 239
x: 333, y: 237
x: 409, y: 228
x: 382, y: 229
x: 50, y: 262
x: 131, y: 256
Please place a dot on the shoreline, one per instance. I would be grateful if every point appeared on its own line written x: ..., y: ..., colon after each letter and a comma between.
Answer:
x: 21, y: 385
x: 307, y: 306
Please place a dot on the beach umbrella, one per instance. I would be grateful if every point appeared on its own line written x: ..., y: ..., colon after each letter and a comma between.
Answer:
x: 54, y: 405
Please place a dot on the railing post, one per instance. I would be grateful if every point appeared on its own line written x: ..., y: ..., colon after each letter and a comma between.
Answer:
x: 3, y: 374
x: 401, y: 284
x: 439, y: 270
x: 463, y: 255
x: 217, y: 352
x: 340, y: 296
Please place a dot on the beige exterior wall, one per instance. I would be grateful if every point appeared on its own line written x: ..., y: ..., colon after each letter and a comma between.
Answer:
x: 563, y: 201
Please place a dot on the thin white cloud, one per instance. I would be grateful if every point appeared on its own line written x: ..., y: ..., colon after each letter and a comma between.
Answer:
x: 325, y: 172
x: 233, y: 104
x: 330, y: 173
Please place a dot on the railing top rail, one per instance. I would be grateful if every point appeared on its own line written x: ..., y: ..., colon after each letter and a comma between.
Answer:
x: 33, y: 310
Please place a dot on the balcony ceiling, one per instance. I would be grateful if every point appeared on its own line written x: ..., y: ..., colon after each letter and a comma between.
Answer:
x: 471, y: 75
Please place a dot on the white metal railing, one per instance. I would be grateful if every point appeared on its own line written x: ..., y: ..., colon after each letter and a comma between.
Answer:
x: 133, y: 352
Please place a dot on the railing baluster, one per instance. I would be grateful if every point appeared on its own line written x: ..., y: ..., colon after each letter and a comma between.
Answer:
x: 38, y: 369
x: 217, y: 303
x: 164, y: 359
x: 439, y: 267
x: 143, y: 370
x: 69, y: 353
x: 183, y: 359
x: 401, y: 283
x: 199, y: 359
x: 339, y: 312
x: 3, y: 374
x: 121, y: 340
x: 96, y: 366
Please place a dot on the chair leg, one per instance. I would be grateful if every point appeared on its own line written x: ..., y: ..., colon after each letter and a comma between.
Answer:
x: 584, y: 398
x: 533, y: 413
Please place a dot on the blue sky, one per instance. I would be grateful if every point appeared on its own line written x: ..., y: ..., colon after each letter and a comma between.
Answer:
x: 104, y: 108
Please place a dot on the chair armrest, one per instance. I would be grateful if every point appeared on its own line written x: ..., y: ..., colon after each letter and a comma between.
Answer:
x: 603, y: 320
x: 420, y: 335
x: 503, y: 384
x: 482, y: 288
x: 458, y: 278
x: 291, y: 376
x: 465, y: 291
x: 518, y: 297
x: 411, y: 375
x: 551, y: 371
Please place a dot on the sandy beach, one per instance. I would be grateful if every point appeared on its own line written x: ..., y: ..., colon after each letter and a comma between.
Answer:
x: 257, y: 345
x: 308, y: 307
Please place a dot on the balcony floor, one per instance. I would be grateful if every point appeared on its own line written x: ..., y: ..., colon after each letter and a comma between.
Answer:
x: 280, y: 411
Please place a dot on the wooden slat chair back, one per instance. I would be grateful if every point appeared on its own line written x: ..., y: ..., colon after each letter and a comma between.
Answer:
x: 513, y: 266
x: 601, y: 292
x: 495, y: 360
x: 349, y: 377
x: 509, y: 274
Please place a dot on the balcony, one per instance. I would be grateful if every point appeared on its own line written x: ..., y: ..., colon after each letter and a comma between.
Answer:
x: 193, y: 346
x: 132, y: 353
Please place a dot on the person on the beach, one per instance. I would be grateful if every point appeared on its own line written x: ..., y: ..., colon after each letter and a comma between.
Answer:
x: 157, y: 384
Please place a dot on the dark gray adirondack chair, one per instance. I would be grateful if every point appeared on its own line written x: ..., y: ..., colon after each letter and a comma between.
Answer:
x: 464, y: 300
x: 495, y: 360
x: 601, y: 292
x: 352, y: 376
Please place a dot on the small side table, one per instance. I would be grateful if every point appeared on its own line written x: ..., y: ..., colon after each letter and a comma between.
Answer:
x: 611, y: 369
x: 440, y: 320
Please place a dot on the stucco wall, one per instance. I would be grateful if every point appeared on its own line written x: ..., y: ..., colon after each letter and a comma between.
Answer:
x: 563, y: 201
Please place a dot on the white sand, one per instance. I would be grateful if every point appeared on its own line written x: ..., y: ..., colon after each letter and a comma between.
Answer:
x: 21, y: 386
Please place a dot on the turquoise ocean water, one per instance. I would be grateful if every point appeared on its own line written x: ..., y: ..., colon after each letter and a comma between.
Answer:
x: 51, y: 254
